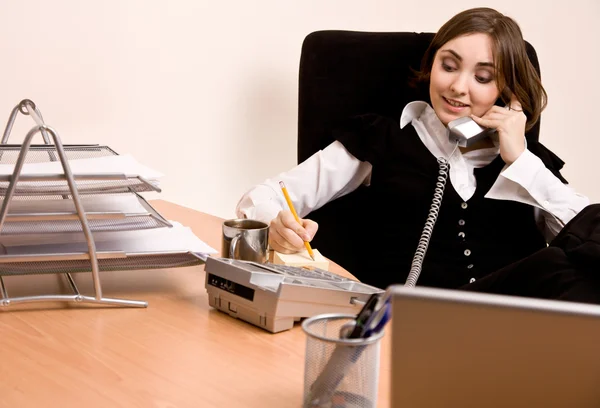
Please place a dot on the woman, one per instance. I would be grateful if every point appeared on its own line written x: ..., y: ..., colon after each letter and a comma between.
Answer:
x: 502, y: 203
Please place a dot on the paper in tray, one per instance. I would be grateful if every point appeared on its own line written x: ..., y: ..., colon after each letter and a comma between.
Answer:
x: 115, y: 212
x: 159, y: 240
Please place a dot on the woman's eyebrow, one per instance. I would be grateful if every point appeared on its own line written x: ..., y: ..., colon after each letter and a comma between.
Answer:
x: 458, y: 57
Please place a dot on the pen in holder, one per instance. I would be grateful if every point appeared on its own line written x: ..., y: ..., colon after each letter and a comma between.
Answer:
x: 339, y: 372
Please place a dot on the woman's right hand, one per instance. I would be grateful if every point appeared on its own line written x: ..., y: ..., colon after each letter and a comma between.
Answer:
x: 287, y: 236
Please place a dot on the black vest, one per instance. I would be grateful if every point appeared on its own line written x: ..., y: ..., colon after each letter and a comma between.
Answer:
x: 470, y: 239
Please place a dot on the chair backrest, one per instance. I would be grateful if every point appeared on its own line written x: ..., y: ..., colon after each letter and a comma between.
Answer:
x: 345, y: 73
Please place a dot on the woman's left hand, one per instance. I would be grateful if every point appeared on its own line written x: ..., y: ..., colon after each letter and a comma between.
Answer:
x: 510, y: 123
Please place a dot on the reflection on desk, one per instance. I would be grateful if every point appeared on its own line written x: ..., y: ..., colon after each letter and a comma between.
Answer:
x: 178, y: 352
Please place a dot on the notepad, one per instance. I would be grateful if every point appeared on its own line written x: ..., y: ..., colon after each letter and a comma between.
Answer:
x: 301, y: 259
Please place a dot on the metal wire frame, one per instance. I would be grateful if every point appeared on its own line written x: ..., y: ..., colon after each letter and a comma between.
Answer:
x: 27, y: 107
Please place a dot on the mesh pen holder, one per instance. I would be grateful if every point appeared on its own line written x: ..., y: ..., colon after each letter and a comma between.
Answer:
x: 339, y: 372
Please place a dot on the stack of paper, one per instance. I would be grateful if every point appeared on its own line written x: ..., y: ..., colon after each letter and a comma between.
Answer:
x: 110, y: 212
x: 158, y: 240
x: 121, y: 164
x: 108, y: 203
x: 46, y: 223
x: 124, y: 167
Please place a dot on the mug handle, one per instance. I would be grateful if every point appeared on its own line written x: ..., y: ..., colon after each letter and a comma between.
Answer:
x: 233, y: 245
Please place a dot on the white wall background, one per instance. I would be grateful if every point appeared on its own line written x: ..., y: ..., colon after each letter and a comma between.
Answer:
x: 206, y: 91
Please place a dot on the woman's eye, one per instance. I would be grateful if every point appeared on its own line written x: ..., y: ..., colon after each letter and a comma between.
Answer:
x: 483, y: 80
x: 447, y: 67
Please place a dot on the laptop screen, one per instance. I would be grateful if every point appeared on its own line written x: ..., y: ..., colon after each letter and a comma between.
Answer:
x: 462, y: 349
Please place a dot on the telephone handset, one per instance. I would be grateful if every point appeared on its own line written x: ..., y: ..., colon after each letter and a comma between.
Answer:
x: 465, y: 131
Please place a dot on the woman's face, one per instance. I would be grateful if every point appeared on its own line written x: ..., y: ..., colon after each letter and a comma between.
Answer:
x: 463, y: 78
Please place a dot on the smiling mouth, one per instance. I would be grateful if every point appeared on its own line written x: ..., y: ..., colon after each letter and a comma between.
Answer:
x: 456, y: 104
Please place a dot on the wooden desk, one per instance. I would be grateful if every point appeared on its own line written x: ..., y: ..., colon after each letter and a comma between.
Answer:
x: 176, y: 353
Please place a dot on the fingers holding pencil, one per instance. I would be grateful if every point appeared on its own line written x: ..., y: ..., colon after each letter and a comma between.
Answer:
x: 295, y: 214
x: 287, y: 236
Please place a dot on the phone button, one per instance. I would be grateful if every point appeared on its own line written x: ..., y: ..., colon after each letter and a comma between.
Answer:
x: 471, y: 280
x: 464, y: 206
x: 470, y: 266
x: 461, y: 222
x: 467, y: 252
x: 461, y: 235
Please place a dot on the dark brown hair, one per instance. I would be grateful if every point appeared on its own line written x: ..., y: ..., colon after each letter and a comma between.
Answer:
x: 514, y: 71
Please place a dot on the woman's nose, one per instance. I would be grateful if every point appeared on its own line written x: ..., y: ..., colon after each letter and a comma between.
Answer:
x: 459, y: 85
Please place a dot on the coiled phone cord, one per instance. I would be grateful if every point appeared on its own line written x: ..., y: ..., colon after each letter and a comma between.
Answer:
x: 417, y: 262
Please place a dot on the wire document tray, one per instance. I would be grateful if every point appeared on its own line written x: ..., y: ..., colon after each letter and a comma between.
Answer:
x: 56, y: 185
x: 107, y: 261
x: 9, y: 153
x: 85, y: 186
x: 43, y: 199
x: 275, y: 296
x: 24, y: 217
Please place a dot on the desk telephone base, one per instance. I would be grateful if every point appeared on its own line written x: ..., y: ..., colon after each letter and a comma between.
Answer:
x: 275, y: 296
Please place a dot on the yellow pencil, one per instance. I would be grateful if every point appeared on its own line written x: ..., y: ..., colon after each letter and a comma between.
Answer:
x: 293, y: 210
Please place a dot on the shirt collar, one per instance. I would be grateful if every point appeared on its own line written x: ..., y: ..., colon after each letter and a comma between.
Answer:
x: 412, y: 111
x: 423, y: 112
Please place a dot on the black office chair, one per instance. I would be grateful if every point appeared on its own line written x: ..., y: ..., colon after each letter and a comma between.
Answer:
x: 345, y: 73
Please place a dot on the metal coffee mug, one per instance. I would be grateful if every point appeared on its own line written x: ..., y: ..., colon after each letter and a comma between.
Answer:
x: 245, y: 239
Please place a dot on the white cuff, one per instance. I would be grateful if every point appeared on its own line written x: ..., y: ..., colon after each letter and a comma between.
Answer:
x: 528, y: 181
x: 515, y: 180
x: 523, y: 171
x: 262, y: 204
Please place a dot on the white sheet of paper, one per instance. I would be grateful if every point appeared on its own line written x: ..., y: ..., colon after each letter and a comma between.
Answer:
x: 122, y: 203
x: 177, y: 238
x: 120, y: 164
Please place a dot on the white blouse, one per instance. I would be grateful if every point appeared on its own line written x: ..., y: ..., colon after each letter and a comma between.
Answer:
x: 333, y: 172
